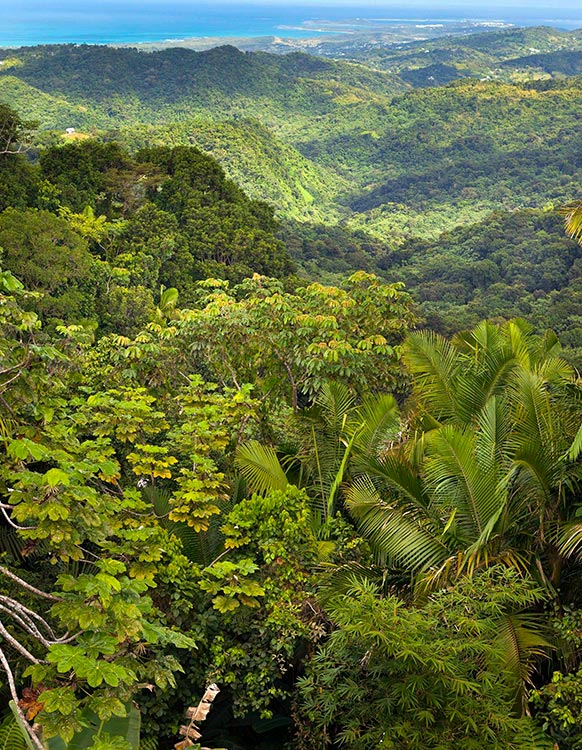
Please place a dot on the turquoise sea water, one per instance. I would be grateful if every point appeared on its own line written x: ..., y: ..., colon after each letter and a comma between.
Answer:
x: 24, y: 22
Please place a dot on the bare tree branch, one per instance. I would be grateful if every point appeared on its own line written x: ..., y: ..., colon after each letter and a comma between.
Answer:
x: 3, y: 510
x: 12, y: 685
x: 28, y: 614
x: 26, y: 623
x: 9, y: 638
x: 28, y: 586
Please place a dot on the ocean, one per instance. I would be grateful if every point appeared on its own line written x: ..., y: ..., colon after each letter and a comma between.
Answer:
x: 28, y: 22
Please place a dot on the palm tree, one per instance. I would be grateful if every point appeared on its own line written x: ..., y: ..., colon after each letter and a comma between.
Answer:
x: 333, y: 428
x: 482, y: 475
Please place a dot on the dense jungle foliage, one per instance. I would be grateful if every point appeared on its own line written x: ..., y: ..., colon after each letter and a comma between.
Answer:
x: 365, y: 168
x: 237, y: 450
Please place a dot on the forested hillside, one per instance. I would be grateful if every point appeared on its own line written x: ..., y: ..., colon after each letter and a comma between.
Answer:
x: 124, y: 85
x: 336, y: 141
x: 281, y: 489
x: 290, y: 419
x: 364, y: 167
x: 491, y: 54
x: 131, y: 225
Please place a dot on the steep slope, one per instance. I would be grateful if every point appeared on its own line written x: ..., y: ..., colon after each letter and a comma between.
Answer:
x: 517, y: 263
x: 266, y: 167
x: 443, y: 153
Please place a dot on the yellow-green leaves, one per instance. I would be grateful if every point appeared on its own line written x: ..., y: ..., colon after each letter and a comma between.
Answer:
x: 152, y: 461
x: 56, y: 477
x: 231, y: 584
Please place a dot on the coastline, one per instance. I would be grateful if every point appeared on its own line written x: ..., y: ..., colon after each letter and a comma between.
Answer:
x: 316, y: 41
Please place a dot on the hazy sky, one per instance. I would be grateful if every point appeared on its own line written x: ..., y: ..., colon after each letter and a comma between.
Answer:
x: 473, y: 5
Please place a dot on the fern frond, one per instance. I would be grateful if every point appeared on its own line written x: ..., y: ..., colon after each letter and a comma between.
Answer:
x: 11, y: 737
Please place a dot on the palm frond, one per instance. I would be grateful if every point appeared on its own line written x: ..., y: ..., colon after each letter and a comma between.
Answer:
x: 519, y: 334
x: 260, y: 467
x: 521, y: 639
x: 531, y: 470
x: 538, y: 441
x: 435, y: 363
x: 533, y: 415
x: 11, y: 737
x: 160, y: 500
x: 201, y: 547
x: 572, y: 213
x: 339, y: 477
x: 11, y: 543
x: 404, y: 537
x: 335, y: 402
x: 570, y: 541
x: 456, y: 479
x: 576, y: 446
x: 555, y: 370
x: 378, y: 424
x: 484, y: 337
x: 494, y: 429
x: 340, y: 579
x: 400, y: 475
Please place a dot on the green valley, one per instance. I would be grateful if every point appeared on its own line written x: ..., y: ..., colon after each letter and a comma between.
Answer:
x: 364, y: 147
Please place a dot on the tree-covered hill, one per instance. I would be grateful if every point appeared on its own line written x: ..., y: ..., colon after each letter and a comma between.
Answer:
x: 487, y: 54
x: 507, y: 43
x: 101, y: 233
x: 127, y: 85
x: 328, y: 140
x: 221, y: 475
x: 509, y: 264
x: 440, y: 157
x: 567, y: 62
x: 265, y: 166
x: 362, y: 166
x: 512, y: 264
